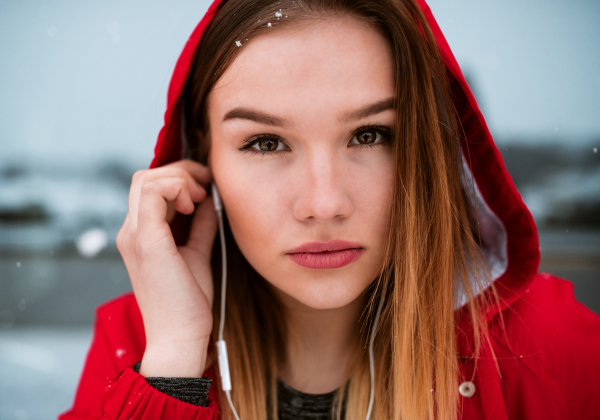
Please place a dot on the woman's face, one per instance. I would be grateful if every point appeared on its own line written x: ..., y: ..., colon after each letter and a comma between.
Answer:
x: 300, y: 128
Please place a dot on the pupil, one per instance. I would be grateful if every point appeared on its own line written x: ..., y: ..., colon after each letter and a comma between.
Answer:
x: 366, y: 137
x: 268, y: 145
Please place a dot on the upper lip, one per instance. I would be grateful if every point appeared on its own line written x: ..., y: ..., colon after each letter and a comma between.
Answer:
x: 335, y: 245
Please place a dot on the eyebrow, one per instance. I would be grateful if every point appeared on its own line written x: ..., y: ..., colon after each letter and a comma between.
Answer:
x: 266, y: 119
x: 369, y: 110
x: 256, y: 116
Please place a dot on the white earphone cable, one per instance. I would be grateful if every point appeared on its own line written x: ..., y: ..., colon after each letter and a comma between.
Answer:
x: 224, y: 274
x: 221, y: 347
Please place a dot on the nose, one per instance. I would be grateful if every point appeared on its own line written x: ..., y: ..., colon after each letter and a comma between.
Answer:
x: 322, y: 193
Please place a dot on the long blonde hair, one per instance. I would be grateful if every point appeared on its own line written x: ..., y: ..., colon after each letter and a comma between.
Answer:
x: 429, y: 230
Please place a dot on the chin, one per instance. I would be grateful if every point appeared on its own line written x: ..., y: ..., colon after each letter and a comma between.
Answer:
x: 321, y: 293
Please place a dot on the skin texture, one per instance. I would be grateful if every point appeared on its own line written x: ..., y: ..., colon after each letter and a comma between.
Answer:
x: 320, y: 184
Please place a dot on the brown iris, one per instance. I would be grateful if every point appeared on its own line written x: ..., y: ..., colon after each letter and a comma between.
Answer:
x: 268, y: 145
x: 367, y: 137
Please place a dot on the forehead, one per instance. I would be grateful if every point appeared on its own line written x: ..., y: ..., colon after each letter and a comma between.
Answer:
x: 327, y: 62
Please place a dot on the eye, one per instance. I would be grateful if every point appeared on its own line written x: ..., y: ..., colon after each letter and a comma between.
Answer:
x: 370, y: 136
x: 265, y: 144
x: 268, y: 145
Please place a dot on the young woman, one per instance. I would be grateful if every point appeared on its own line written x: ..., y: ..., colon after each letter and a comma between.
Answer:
x: 380, y: 263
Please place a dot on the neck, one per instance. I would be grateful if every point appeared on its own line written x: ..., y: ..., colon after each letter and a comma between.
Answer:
x: 320, y: 342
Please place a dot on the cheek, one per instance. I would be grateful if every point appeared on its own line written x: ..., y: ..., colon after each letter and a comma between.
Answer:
x: 255, y: 215
x: 371, y: 189
x: 255, y: 202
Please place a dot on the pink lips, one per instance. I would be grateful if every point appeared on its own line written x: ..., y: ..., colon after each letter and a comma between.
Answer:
x: 332, y: 254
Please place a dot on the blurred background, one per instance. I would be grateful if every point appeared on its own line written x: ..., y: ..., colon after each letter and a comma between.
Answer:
x: 83, y: 87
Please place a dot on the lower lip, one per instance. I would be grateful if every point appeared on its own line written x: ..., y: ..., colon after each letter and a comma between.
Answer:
x: 328, y: 259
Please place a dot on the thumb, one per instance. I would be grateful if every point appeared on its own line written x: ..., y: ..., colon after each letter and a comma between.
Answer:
x: 204, y: 228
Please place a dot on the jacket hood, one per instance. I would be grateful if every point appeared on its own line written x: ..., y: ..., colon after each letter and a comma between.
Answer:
x: 508, y: 233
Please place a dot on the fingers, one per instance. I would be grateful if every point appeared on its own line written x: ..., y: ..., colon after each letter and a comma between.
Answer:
x: 155, y: 194
x: 204, y: 228
x: 200, y: 172
x: 173, y: 286
x: 193, y: 173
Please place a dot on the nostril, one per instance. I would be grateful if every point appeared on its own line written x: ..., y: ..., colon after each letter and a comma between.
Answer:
x: 323, y: 207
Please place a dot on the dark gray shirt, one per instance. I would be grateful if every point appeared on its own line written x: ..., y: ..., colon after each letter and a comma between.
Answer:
x: 292, y: 404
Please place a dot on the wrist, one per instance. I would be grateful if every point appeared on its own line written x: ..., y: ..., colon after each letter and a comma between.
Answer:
x: 175, y: 360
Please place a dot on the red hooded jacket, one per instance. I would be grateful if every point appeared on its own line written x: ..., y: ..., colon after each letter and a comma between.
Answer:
x: 548, y: 351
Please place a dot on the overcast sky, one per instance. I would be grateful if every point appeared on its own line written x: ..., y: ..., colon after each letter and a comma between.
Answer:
x: 535, y: 64
x: 85, y: 80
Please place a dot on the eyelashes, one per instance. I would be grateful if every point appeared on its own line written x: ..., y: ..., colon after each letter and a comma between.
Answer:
x: 264, y: 143
x: 371, y: 136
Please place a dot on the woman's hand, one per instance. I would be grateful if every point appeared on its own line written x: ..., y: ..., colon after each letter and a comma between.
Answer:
x: 173, y: 285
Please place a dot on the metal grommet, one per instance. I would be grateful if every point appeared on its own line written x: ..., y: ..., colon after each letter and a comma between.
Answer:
x: 467, y: 389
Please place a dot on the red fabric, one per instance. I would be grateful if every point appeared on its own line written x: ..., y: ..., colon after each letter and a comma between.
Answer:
x: 110, y: 389
x: 548, y: 361
x: 546, y: 343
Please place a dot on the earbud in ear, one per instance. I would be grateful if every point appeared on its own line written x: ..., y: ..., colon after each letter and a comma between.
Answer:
x: 216, y: 198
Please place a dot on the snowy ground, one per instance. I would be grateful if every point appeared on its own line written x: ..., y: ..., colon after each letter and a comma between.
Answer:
x: 39, y: 370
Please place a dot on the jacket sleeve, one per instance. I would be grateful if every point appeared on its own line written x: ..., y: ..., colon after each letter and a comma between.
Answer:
x: 110, y: 389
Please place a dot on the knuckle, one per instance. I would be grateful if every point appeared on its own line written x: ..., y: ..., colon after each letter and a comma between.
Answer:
x: 180, y: 172
x: 138, y: 176
x: 188, y: 162
x: 122, y: 239
x: 180, y: 184
x: 192, y: 165
x: 149, y: 187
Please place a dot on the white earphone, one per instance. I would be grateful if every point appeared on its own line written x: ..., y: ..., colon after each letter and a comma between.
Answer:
x: 222, y: 348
